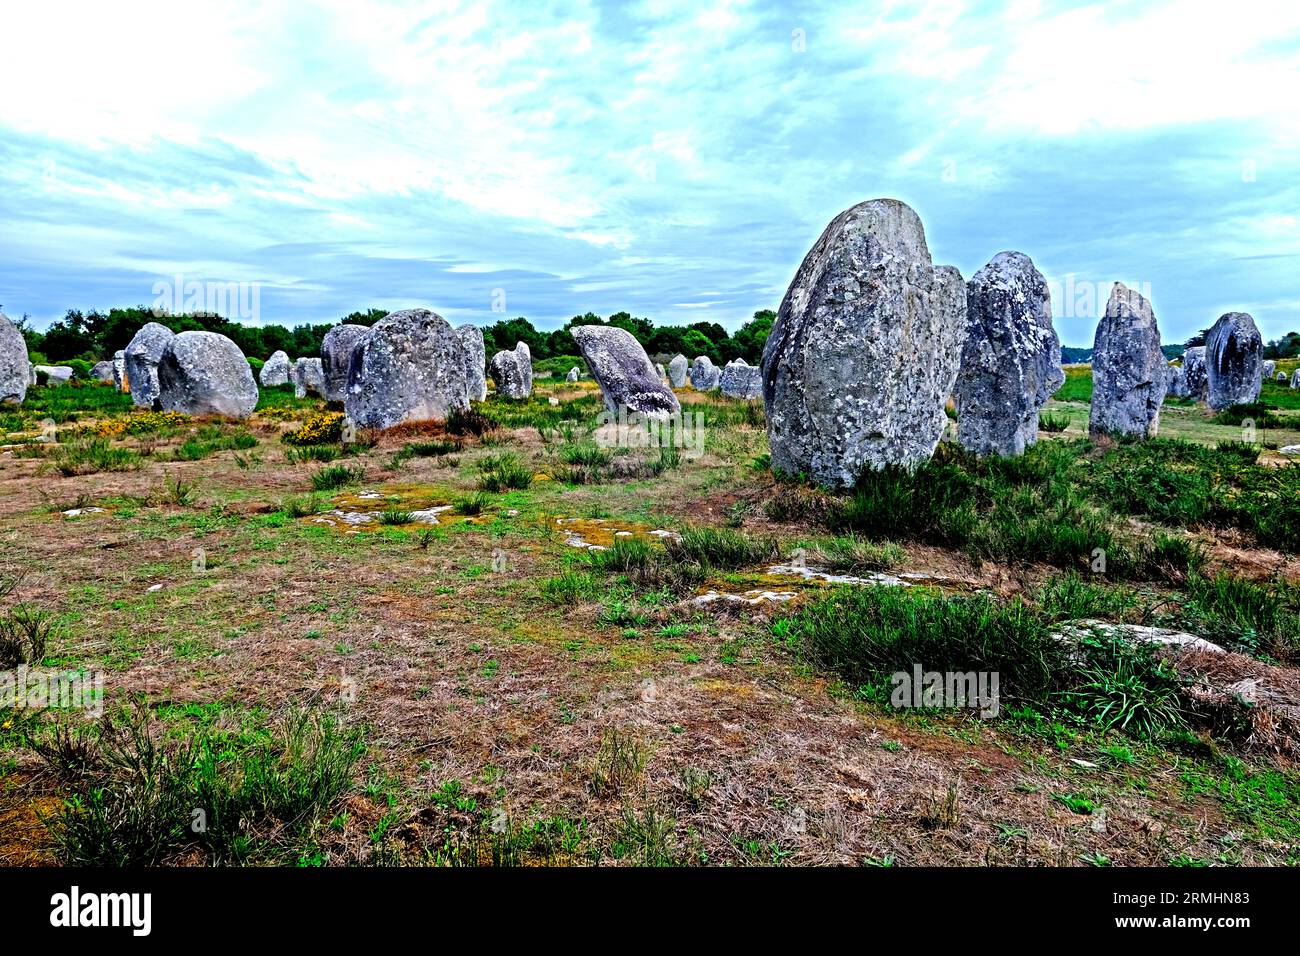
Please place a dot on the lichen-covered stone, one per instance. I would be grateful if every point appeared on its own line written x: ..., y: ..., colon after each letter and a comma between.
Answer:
x: 411, y: 368
x: 1011, y: 361
x: 142, y: 355
x: 119, y: 370
x: 15, y: 365
x: 865, y: 349
x: 573, y: 375
x: 512, y: 371
x: 102, y: 371
x: 275, y: 371
x: 472, y: 344
x: 205, y: 373
x: 626, y: 376
x: 739, y: 379
x: 677, y: 370
x: 1196, y: 381
x: 1128, y: 368
x: 340, y: 348
x: 308, y: 377
x: 705, y: 376
x: 1233, y: 358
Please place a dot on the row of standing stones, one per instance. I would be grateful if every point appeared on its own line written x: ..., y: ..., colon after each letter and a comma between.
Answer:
x: 870, y: 342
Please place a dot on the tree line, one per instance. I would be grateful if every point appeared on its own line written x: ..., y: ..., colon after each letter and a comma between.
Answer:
x: 94, y: 335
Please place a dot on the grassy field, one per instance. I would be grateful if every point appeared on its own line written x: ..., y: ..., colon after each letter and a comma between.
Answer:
x: 506, y: 640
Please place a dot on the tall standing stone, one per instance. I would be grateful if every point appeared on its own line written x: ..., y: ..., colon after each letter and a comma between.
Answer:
x: 119, y: 370
x: 308, y: 377
x: 275, y: 371
x: 141, y: 357
x: 677, y: 371
x: 15, y: 366
x: 338, y: 350
x: 205, y: 373
x: 1176, y: 381
x: 471, y: 341
x: 512, y: 371
x: 865, y: 349
x: 573, y: 375
x: 1233, y: 358
x: 411, y: 368
x: 1011, y: 362
x: 705, y: 376
x: 1128, y: 368
x: 1196, y: 380
x: 626, y: 376
x: 1269, y: 369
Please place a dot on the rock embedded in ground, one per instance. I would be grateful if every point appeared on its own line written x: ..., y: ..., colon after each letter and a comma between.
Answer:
x: 141, y: 357
x: 677, y: 370
x: 573, y: 375
x: 102, y: 371
x: 275, y: 371
x: 1233, y: 359
x: 512, y: 372
x: 308, y: 377
x: 475, y: 350
x: 54, y: 374
x: 1128, y: 368
x: 340, y: 348
x: 1195, y: 380
x: 705, y: 376
x: 865, y: 349
x: 205, y: 373
x: 739, y: 379
x: 1011, y: 361
x: 411, y: 368
x: 626, y: 376
x: 15, y: 365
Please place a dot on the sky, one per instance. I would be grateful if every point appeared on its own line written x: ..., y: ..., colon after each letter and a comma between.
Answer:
x: 674, y: 160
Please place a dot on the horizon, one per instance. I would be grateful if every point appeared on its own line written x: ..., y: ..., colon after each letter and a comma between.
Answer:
x: 670, y: 162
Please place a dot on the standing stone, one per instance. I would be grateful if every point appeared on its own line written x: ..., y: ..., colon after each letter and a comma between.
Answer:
x: 142, y: 356
x: 1268, y: 370
x: 471, y: 342
x: 1011, y: 362
x: 55, y: 374
x: 512, y: 372
x: 677, y: 371
x: 1281, y: 376
x: 102, y: 371
x: 573, y: 375
x: 308, y: 377
x: 626, y: 376
x: 1295, y: 378
x: 1128, y: 368
x: 15, y: 366
x: 865, y: 349
x: 705, y: 376
x: 205, y: 373
x: 411, y: 368
x: 1233, y: 355
x: 119, y: 370
x: 1196, y: 380
x: 1175, y: 381
x: 275, y: 371
x: 741, y: 380
x: 340, y: 348
x: 662, y: 373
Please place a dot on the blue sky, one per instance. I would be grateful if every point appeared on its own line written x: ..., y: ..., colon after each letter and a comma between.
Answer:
x: 672, y: 159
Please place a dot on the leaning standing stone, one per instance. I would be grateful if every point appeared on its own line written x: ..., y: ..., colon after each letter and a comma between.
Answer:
x: 1233, y: 357
x: 705, y: 376
x: 865, y: 349
x: 741, y: 380
x: 411, y: 368
x: 626, y: 376
x: 471, y: 342
x: 205, y: 373
x: 142, y: 356
x: 275, y: 371
x: 15, y: 366
x: 338, y: 350
x: 1011, y: 362
x: 1128, y: 368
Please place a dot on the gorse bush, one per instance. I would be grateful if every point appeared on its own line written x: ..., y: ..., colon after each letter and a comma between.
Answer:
x: 319, y: 428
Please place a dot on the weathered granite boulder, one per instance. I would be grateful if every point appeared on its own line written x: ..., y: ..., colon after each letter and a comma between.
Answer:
x: 15, y: 366
x: 662, y: 373
x: 739, y: 379
x: 1268, y: 369
x: 205, y: 373
x: 677, y: 370
x: 573, y: 374
x: 102, y: 371
x: 54, y: 374
x: 865, y: 349
x: 1233, y: 356
x: 308, y: 377
x: 512, y: 371
x: 275, y: 371
x: 1195, y: 378
x: 626, y: 376
x: 705, y: 376
x: 411, y: 368
x: 1295, y: 378
x: 1011, y: 362
x: 340, y: 348
x: 472, y: 344
x: 142, y: 356
x: 1128, y: 368
x: 119, y: 370
x: 1175, y: 381
x: 1281, y: 376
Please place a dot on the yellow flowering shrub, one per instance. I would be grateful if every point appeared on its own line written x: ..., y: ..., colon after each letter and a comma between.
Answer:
x: 319, y: 428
